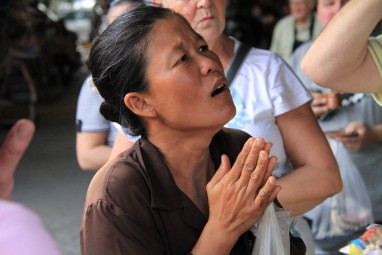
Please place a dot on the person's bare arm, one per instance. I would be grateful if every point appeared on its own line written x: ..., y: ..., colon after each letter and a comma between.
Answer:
x: 92, y: 152
x: 121, y: 143
x: 339, y: 57
x: 316, y: 175
x: 11, y: 152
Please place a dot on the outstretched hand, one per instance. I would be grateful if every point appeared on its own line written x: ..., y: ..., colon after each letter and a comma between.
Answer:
x: 238, y: 196
x: 362, y: 136
x: 11, y: 152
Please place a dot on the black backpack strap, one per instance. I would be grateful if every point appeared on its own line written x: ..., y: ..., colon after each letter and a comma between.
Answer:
x: 241, y: 53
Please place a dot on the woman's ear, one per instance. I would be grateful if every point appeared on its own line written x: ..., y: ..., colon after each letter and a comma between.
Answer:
x: 158, y: 3
x: 137, y: 104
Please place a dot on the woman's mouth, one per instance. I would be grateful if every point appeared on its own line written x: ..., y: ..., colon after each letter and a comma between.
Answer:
x: 207, y: 18
x: 219, y: 89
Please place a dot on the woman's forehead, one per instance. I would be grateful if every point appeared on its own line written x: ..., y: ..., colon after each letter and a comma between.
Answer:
x: 173, y: 27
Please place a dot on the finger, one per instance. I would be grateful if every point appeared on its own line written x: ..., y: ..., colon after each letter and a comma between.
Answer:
x: 272, y: 160
x: 14, y: 146
x: 257, y: 177
x: 271, y: 166
x: 268, y: 146
x: 251, y: 161
x: 237, y: 167
x: 267, y: 193
x: 224, y: 168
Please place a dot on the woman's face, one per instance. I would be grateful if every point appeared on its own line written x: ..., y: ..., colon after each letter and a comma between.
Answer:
x: 326, y: 9
x: 207, y: 17
x: 301, y: 9
x: 186, y: 82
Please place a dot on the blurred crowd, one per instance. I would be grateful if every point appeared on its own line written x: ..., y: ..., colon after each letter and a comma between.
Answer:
x: 38, y: 55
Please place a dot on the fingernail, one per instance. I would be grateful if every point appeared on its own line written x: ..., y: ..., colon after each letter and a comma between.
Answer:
x: 259, y: 142
x: 23, y: 131
x: 263, y: 155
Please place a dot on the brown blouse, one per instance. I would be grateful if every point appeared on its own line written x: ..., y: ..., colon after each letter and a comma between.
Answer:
x: 133, y: 205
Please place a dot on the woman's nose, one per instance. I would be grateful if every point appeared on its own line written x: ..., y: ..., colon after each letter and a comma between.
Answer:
x: 203, y: 3
x: 207, y: 65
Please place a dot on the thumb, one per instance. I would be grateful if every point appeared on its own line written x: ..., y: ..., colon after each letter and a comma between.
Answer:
x: 15, y: 145
x: 224, y: 168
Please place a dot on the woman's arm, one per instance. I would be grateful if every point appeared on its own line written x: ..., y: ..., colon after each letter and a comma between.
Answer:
x: 92, y: 152
x: 92, y: 130
x: 339, y: 57
x: 316, y: 175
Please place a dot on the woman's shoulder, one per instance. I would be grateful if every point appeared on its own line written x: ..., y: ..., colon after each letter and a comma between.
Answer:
x: 285, y: 22
x: 229, y: 141
x: 114, y: 177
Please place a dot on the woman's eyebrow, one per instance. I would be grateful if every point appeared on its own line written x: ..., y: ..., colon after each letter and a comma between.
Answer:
x: 198, y: 37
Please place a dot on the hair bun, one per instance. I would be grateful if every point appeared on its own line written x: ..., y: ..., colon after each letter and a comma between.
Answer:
x: 110, y: 112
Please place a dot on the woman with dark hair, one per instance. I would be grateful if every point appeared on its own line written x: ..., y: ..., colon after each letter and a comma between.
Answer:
x: 272, y: 103
x: 188, y: 185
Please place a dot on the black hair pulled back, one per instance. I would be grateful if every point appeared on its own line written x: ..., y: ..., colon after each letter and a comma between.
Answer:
x: 118, y: 62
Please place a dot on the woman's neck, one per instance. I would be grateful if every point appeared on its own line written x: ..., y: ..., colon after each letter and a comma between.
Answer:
x: 184, y: 152
x: 302, y: 23
x: 191, y: 166
x: 223, y: 46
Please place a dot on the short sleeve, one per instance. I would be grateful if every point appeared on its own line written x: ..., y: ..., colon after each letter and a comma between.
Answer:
x: 286, y: 90
x: 88, y: 116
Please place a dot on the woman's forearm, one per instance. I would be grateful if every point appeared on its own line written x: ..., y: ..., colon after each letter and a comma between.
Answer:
x: 341, y: 49
x: 304, y: 188
x: 315, y: 176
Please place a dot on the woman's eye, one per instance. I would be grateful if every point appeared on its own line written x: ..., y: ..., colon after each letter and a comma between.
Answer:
x: 203, y: 48
x: 183, y: 58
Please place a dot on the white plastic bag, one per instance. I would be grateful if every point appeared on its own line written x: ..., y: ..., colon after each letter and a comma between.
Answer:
x: 343, y: 216
x: 272, y: 232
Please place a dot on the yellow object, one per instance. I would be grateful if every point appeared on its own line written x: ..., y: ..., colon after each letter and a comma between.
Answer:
x: 355, y: 250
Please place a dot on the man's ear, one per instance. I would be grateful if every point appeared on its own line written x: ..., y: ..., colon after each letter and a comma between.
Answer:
x: 137, y: 104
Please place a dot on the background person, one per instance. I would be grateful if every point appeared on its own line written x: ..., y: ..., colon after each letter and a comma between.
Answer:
x: 137, y: 203
x: 95, y: 135
x: 300, y: 26
x: 343, y: 57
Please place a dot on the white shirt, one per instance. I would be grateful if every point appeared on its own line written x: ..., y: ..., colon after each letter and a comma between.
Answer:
x: 264, y: 87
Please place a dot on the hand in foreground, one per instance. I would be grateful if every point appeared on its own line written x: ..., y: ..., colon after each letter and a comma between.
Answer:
x: 11, y: 152
x: 238, y: 196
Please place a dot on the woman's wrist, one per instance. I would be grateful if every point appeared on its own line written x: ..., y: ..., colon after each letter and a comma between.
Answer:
x: 214, y: 240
